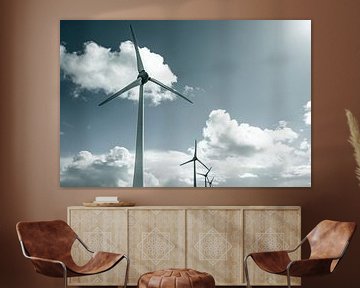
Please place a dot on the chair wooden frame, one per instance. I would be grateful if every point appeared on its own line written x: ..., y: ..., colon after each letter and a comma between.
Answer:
x: 65, y: 270
x: 304, y: 267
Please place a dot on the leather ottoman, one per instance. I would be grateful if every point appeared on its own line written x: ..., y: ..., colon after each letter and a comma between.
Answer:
x: 176, y: 278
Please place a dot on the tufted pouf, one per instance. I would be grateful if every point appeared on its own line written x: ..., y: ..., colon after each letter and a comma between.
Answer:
x: 176, y: 278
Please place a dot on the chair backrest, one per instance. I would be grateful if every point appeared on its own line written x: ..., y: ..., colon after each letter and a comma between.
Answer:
x: 329, y: 239
x: 46, y: 239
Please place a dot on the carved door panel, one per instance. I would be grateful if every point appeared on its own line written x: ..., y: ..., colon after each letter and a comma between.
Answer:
x: 269, y: 230
x: 214, y: 244
x: 101, y: 230
x: 156, y: 240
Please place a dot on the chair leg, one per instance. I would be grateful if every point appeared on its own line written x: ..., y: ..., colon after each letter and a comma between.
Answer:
x: 126, y: 271
x: 288, y: 278
x: 246, y: 270
x: 65, y: 276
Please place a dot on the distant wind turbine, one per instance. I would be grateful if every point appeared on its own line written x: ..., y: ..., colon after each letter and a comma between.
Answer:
x: 206, y: 176
x: 194, y: 159
x: 210, y: 182
x: 141, y: 80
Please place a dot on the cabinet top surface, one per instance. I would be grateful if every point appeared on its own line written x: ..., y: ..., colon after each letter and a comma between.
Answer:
x: 193, y: 207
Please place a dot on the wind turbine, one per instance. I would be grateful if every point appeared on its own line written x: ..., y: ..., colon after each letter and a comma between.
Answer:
x: 206, y: 176
x: 194, y: 159
x: 210, y: 182
x: 142, y: 78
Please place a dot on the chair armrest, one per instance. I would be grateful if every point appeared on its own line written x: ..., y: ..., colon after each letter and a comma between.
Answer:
x: 48, y: 267
x: 268, y: 254
x: 46, y: 260
x: 309, y: 267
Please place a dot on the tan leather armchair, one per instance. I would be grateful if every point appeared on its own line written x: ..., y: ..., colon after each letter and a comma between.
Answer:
x: 328, y: 242
x: 48, y: 245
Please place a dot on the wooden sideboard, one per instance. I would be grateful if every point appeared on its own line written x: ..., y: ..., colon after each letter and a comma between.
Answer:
x: 212, y: 239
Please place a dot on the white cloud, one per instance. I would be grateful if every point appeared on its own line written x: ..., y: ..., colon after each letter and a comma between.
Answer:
x: 248, y: 175
x: 191, y: 91
x: 234, y: 149
x: 85, y: 169
x: 223, y: 134
x: 296, y: 171
x: 188, y: 90
x: 282, y: 133
x: 305, y: 145
x: 307, y: 115
x: 115, y: 169
x: 240, y: 155
x: 98, y: 68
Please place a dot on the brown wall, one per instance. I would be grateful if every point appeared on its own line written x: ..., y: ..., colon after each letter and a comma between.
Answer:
x: 29, y: 119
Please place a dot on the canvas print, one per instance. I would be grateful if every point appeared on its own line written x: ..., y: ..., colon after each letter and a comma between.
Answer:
x: 185, y: 103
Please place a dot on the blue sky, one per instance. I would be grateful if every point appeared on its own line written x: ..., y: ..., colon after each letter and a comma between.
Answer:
x: 250, y: 82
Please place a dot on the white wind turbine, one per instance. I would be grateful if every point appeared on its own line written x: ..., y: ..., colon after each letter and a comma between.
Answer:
x: 206, y: 178
x: 141, y: 79
x: 211, y: 181
x: 194, y: 159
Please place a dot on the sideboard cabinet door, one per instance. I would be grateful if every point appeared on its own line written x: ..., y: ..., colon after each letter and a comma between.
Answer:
x: 156, y: 240
x: 214, y: 243
x: 101, y: 230
x: 269, y: 230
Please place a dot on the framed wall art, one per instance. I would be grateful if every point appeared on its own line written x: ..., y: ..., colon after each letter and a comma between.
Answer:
x: 185, y: 103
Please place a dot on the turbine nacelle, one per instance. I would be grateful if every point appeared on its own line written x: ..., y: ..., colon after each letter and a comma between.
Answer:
x: 144, y: 76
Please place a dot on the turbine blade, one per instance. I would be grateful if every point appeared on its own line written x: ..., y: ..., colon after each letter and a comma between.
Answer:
x: 140, y: 65
x: 202, y: 164
x: 195, y: 153
x: 187, y: 162
x: 208, y: 171
x: 137, y: 82
x: 170, y: 89
x: 202, y: 174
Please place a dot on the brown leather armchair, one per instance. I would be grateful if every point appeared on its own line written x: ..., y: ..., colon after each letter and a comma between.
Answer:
x: 48, y: 245
x: 328, y: 242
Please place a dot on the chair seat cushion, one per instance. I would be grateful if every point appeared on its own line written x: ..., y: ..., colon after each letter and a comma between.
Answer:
x: 176, y: 278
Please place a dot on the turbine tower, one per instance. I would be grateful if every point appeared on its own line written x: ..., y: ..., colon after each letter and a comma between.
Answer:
x: 206, y: 179
x: 194, y: 159
x: 142, y: 78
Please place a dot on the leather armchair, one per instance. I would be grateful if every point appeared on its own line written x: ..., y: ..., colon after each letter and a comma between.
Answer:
x: 48, y: 245
x: 328, y: 243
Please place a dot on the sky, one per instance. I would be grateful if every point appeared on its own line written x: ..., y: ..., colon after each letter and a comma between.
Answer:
x: 249, y: 80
